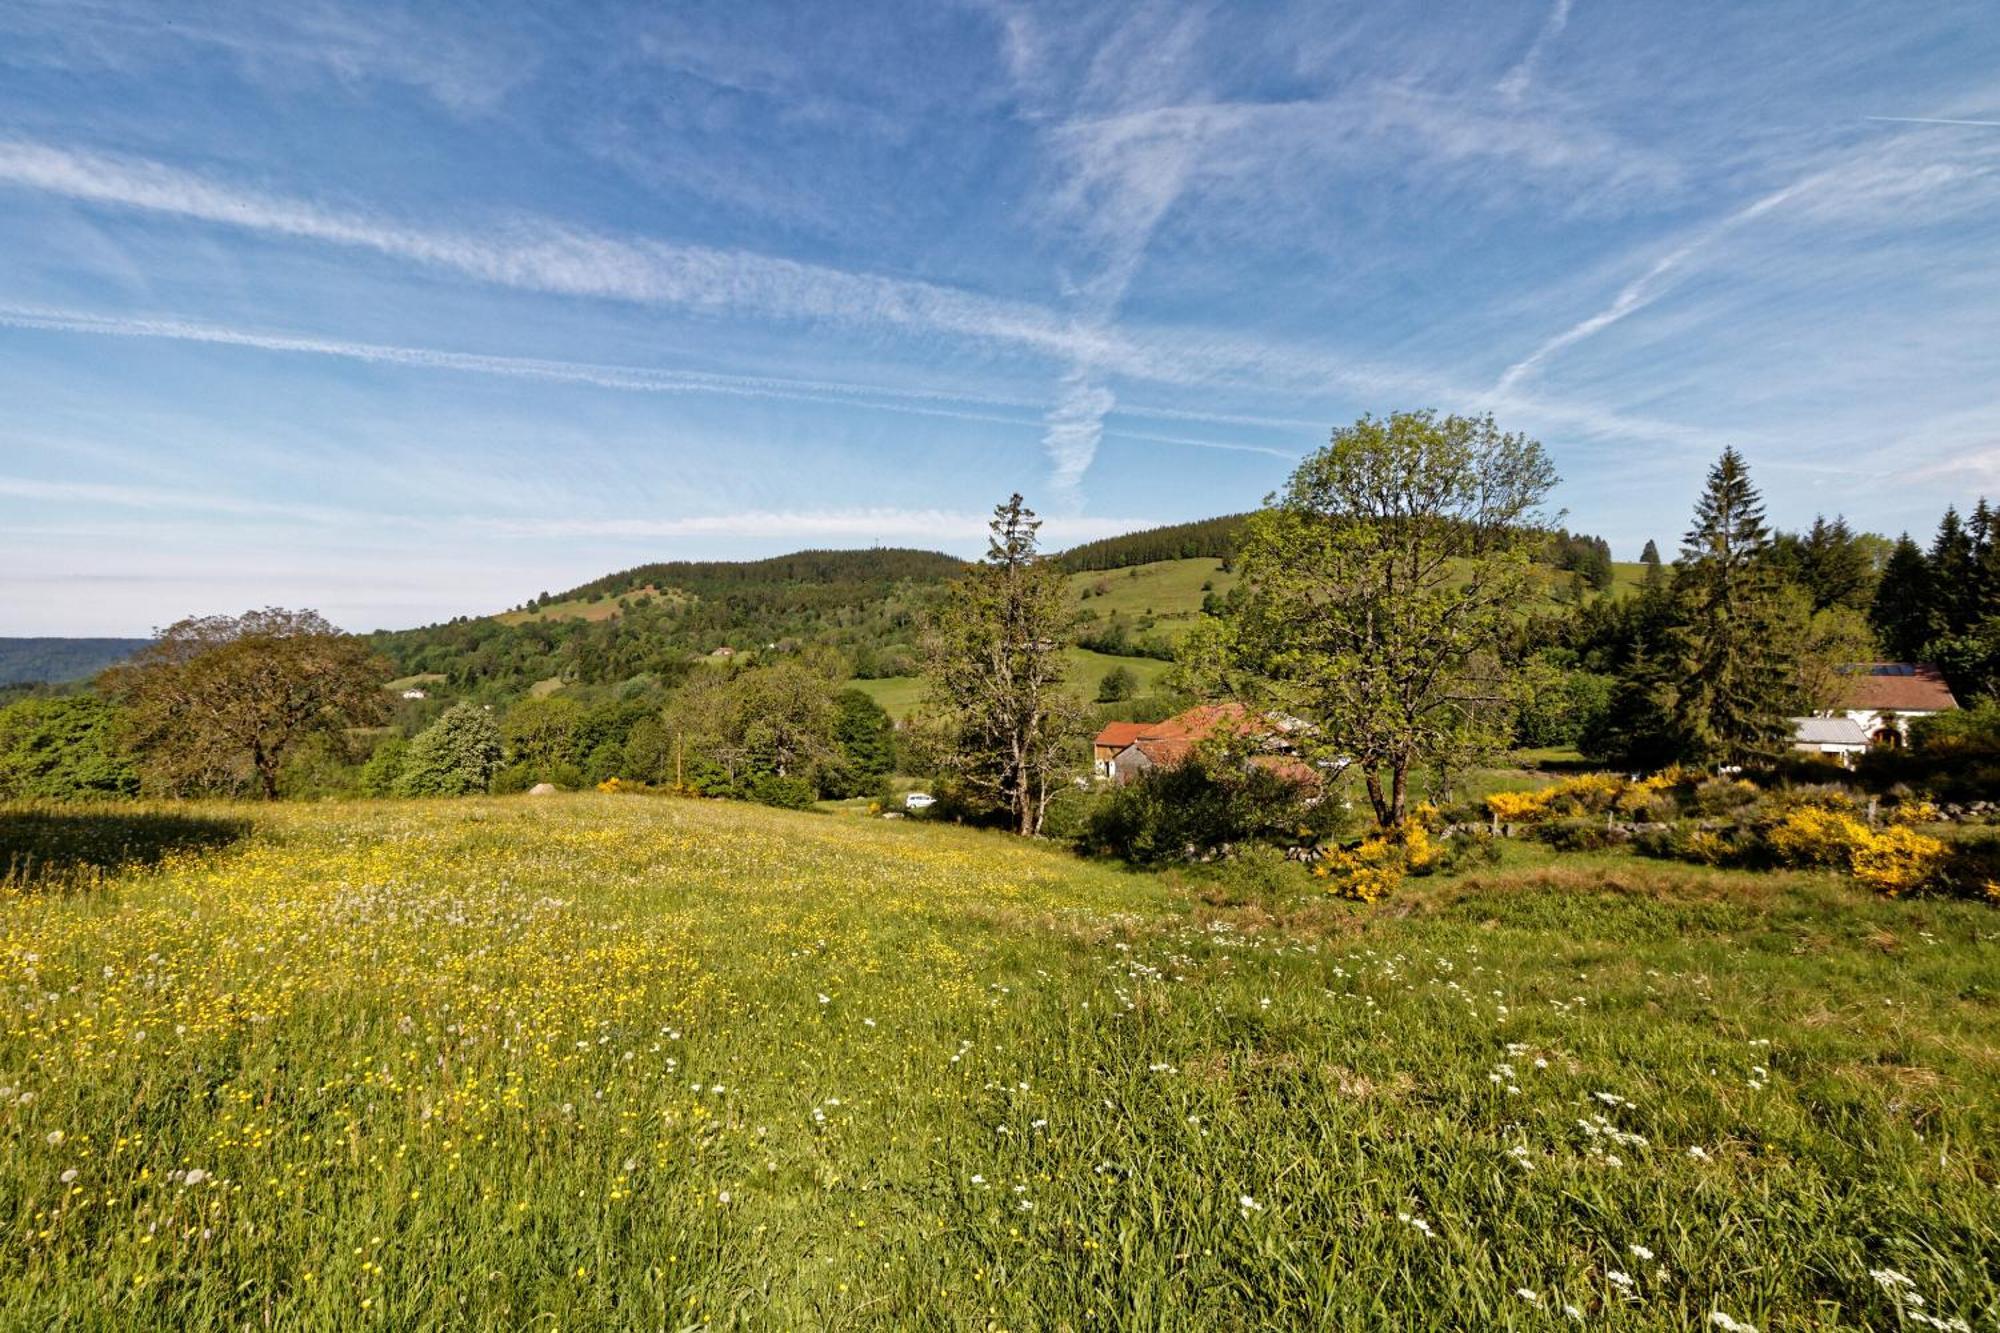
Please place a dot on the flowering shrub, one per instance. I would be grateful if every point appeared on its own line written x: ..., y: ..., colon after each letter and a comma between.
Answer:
x: 611, y: 784
x: 1518, y: 807
x: 1914, y: 810
x: 1817, y: 837
x: 1369, y: 871
x: 1897, y: 860
x: 1892, y: 861
x: 1588, y: 794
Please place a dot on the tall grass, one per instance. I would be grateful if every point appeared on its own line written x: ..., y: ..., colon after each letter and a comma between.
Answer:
x: 612, y: 1062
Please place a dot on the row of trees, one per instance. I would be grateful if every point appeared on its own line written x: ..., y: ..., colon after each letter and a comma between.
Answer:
x: 279, y: 702
x: 1942, y: 605
x: 1381, y: 603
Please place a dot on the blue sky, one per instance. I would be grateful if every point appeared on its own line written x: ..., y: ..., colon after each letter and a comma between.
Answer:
x: 410, y: 311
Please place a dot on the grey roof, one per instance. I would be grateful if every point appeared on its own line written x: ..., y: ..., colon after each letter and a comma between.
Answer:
x: 1827, y: 731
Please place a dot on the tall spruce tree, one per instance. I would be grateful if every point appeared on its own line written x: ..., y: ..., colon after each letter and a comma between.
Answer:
x: 1731, y: 678
x: 1902, y: 610
x: 1951, y: 563
x: 996, y: 667
x: 1830, y: 563
x: 1650, y: 558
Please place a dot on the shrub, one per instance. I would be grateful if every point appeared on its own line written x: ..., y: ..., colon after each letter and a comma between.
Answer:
x: 64, y: 749
x: 1256, y: 873
x: 1892, y: 861
x: 1720, y: 796
x: 1897, y: 860
x: 789, y: 793
x: 1583, y: 834
x: 454, y: 756
x: 1190, y: 811
x: 1588, y: 794
x: 384, y: 766
x: 1815, y: 837
x: 1374, y: 867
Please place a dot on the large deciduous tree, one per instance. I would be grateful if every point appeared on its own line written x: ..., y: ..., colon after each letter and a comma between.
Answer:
x: 1376, y: 590
x: 218, y: 701
x: 995, y: 649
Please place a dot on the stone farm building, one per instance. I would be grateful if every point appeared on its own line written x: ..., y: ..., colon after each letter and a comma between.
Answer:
x: 1123, y: 750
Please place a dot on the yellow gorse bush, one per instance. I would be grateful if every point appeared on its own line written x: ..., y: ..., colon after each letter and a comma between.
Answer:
x: 1372, y: 870
x: 1587, y: 794
x: 1816, y: 836
x: 1892, y: 861
x: 1897, y: 860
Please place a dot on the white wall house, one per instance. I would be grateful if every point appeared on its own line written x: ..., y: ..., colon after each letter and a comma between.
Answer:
x: 1883, y: 698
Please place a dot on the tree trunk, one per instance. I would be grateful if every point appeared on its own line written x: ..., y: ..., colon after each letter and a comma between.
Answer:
x: 267, y: 770
x: 1399, y: 784
x: 1373, y: 781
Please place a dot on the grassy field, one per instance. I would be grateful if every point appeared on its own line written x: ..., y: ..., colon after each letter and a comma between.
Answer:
x: 1169, y: 591
x: 586, y: 608
x: 901, y: 695
x: 618, y: 1061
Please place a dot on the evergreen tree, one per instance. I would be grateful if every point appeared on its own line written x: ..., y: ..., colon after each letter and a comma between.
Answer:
x: 1950, y: 562
x: 996, y: 668
x: 1986, y: 562
x: 1731, y: 677
x: 454, y: 756
x: 1831, y: 564
x: 1650, y: 557
x: 1901, y: 613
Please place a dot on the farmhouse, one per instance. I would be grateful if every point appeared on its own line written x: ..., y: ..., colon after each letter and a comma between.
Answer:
x: 1882, y: 697
x: 1123, y: 750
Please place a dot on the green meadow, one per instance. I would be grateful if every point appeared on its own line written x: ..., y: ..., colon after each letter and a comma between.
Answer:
x: 607, y: 1061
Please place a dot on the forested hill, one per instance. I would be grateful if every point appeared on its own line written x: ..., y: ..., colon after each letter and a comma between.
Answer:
x: 825, y: 570
x: 652, y: 619
x: 54, y: 661
x: 1210, y: 538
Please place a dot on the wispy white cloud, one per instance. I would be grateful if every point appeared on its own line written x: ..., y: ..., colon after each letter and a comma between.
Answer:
x: 1935, y: 120
x: 464, y: 67
x: 1514, y: 85
x: 546, y: 257
x: 866, y: 524
x: 1876, y: 184
x: 165, y: 500
x: 950, y: 404
x: 630, y: 379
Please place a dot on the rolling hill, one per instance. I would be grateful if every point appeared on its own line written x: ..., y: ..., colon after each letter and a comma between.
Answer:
x: 1135, y: 596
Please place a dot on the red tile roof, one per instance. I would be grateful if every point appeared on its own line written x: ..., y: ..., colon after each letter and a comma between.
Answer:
x: 1896, y: 687
x: 1118, y: 735
x: 1166, y: 751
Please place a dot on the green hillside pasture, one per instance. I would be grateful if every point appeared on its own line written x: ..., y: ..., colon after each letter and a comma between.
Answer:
x: 606, y: 1062
x: 902, y: 695
x: 1169, y: 591
x: 587, y: 608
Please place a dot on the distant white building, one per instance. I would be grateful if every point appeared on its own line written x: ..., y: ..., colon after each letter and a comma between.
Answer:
x: 1837, y: 738
x: 1882, y: 697
x: 415, y: 694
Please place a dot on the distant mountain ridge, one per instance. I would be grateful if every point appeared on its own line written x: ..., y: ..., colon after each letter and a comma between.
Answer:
x: 59, y: 661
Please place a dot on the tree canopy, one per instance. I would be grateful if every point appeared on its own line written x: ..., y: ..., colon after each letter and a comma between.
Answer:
x: 1377, y: 588
x: 216, y: 702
